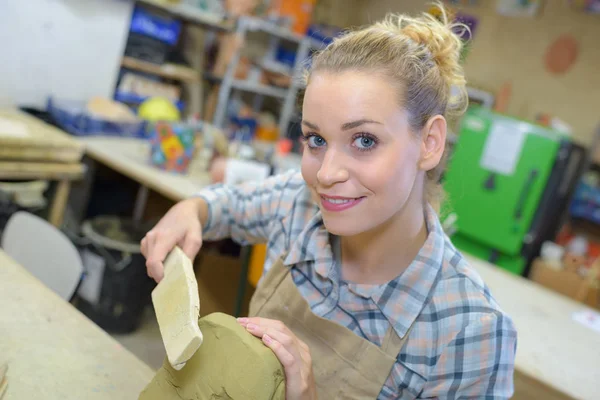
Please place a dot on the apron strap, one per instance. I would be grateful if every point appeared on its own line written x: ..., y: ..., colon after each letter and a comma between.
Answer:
x: 392, y: 343
x: 268, y: 285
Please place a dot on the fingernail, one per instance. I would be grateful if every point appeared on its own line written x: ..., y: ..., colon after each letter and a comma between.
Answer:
x: 267, y: 339
x: 251, y: 327
x: 242, y: 320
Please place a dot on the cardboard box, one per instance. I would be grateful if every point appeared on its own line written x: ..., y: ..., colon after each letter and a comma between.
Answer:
x: 565, y: 282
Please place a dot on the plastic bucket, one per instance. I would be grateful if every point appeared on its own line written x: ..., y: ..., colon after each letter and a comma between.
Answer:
x: 115, y: 288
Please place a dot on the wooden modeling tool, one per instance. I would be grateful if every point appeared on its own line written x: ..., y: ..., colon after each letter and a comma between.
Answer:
x: 177, y: 307
x: 3, y: 379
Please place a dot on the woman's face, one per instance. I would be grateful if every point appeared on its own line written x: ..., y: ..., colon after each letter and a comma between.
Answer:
x: 361, y: 160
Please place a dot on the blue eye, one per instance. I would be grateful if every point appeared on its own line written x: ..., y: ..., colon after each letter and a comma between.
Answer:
x: 364, y: 142
x: 315, y: 141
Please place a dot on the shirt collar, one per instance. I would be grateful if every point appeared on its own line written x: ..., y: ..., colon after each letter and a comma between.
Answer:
x: 312, y: 244
x: 400, y: 300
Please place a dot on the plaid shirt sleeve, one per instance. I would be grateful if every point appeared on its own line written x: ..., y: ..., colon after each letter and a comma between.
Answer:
x: 478, y: 363
x: 244, y: 212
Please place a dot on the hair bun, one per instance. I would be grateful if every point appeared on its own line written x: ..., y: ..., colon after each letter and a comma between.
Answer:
x: 439, y: 37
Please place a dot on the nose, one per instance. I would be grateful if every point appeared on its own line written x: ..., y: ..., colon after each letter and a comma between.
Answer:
x: 332, y: 169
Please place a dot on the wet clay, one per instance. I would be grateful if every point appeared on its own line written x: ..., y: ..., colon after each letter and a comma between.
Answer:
x: 230, y: 364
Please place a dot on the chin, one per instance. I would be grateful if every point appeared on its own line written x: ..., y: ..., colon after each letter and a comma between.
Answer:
x: 343, y: 226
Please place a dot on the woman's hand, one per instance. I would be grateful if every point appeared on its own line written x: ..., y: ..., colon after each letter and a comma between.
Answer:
x: 292, y: 353
x: 181, y: 226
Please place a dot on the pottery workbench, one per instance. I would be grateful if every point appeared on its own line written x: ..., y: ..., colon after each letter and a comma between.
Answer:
x: 557, y: 357
x: 53, y: 351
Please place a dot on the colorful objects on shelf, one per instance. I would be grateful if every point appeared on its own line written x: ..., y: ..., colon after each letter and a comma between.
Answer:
x: 172, y: 146
x: 299, y: 13
x: 158, y: 109
x: 87, y: 119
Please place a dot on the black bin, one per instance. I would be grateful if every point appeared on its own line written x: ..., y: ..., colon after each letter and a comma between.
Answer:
x: 116, y: 289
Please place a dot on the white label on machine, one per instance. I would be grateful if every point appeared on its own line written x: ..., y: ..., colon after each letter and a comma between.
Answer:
x: 94, y: 274
x: 502, y: 149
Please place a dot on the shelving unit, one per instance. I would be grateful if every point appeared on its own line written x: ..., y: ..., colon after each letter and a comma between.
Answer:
x: 189, y: 77
x: 288, y: 95
x: 168, y: 71
x: 192, y: 15
x: 256, y: 24
x: 259, y: 88
x: 584, y: 193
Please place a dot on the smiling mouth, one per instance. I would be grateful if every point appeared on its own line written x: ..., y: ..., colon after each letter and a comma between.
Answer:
x: 337, y: 203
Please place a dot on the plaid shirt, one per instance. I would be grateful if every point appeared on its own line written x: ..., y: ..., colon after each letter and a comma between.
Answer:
x: 461, y: 344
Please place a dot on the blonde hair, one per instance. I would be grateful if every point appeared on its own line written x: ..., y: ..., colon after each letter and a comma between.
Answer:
x: 421, y: 55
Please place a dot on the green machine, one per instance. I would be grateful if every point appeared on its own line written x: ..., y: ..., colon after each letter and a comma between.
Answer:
x: 495, y: 180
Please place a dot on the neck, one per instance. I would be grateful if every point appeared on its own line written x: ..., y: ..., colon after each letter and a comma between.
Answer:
x: 380, y: 255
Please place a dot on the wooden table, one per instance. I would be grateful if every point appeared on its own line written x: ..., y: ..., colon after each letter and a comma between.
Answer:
x: 55, y: 352
x: 557, y: 358
x: 131, y: 157
x: 32, y: 149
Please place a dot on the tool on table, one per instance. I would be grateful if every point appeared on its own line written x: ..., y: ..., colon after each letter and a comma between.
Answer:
x: 177, y: 305
x: 3, y: 379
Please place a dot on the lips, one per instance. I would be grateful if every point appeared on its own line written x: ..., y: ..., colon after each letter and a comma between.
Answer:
x: 337, y: 203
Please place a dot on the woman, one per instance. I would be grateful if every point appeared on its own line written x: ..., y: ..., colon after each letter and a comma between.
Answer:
x: 363, y: 295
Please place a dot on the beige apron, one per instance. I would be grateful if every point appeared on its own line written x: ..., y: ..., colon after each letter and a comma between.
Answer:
x: 345, y: 365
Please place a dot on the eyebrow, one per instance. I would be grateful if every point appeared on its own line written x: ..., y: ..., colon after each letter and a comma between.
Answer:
x: 310, y: 125
x: 357, y: 123
x: 345, y: 127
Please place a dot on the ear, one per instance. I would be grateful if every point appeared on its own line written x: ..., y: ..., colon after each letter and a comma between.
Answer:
x: 433, y: 142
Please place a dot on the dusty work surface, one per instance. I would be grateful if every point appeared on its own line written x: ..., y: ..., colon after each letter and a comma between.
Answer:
x: 553, y: 350
x: 55, y: 352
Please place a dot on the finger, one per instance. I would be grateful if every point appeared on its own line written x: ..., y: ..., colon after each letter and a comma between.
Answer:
x: 192, y: 244
x: 159, y: 246
x: 306, y: 356
x: 287, y: 340
x: 267, y: 323
x: 290, y: 364
x: 303, y: 346
x: 150, y: 239
x: 144, y: 250
x: 144, y: 246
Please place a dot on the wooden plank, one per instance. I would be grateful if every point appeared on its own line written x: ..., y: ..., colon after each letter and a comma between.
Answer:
x: 32, y: 170
x: 59, y: 203
x: 169, y: 71
x: 54, y: 351
x: 25, y: 153
x: 177, y: 305
x: 19, y: 130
